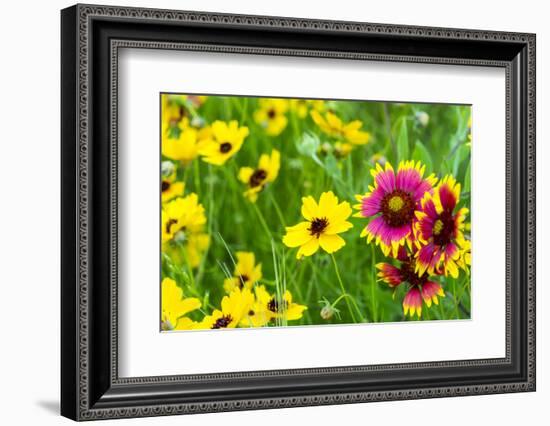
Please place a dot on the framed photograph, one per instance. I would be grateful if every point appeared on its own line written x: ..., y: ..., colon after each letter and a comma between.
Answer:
x: 263, y: 212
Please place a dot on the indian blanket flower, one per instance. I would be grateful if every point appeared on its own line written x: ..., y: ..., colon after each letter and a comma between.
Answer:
x: 271, y: 115
x: 270, y: 307
x: 234, y: 308
x: 439, y: 230
x: 182, y: 216
x: 224, y: 141
x: 175, y: 306
x: 391, y: 203
x: 332, y: 125
x: 246, y: 272
x: 323, y: 222
x: 257, y: 179
x: 170, y: 188
x: 421, y: 287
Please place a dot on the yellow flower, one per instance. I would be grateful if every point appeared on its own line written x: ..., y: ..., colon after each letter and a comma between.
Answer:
x: 172, y: 114
x: 324, y: 221
x: 257, y: 179
x: 301, y: 106
x: 271, y: 115
x: 246, y: 272
x: 269, y: 307
x: 184, y: 148
x: 181, y: 216
x: 339, y: 149
x: 197, y: 243
x: 169, y: 187
x: 234, y: 307
x: 335, y: 127
x: 223, y: 143
x: 190, y: 248
x: 175, y: 306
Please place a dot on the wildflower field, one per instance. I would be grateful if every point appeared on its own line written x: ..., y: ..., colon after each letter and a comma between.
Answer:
x: 281, y: 212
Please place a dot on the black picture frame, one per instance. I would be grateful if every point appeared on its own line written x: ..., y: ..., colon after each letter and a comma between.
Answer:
x: 90, y: 38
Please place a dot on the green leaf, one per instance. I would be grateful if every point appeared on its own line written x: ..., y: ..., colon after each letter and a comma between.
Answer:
x: 308, y: 144
x: 461, y: 154
x: 403, y: 142
x: 421, y: 154
x: 467, y: 180
x: 331, y: 166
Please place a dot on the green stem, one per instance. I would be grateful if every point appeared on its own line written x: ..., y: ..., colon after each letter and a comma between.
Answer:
x: 374, y: 301
x: 262, y: 221
x: 350, y: 297
x: 342, y: 287
x: 277, y: 209
x: 197, y: 177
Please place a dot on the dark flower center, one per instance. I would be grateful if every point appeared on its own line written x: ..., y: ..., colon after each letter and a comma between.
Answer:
x: 225, y: 147
x: 271, y: 113
x: 165, y: 185
x: 273, y: 305
x: 242, y: 280
x: 257, y: 178
x: 169, y: 224
x: 222, y: 322
x: 397, y: 208
x: 443, y: 229
x: 408, y: 274
x: 317, y: 226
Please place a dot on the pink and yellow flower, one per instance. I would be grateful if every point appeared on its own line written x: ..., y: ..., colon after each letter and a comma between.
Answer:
x: 392, y: 202
x: 421, y: 287
x: 439, y: 231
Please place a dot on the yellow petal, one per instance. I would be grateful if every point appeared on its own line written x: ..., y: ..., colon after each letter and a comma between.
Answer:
x: 341, y: 212
x: 297, y: 235
x: 308, y: 248
x: 331, y: 243
x: 245, y: 173
x: 309, y: 208
x: 327, y: 204
x: 337, y: 227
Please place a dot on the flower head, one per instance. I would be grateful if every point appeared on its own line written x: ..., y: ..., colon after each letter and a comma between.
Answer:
x: 301, y: 107
x: 196, y: 245
x: 333, y: 126
x: 185, y: 146
x: 265, y: 173
x: 324, y: 221
x: 224, y: 141
x: 175, y: 306
x: 392, y: 202
x: 182, y: 215
x: 421, y: 287
x: 173, y: 113
x: 246, y: 272
x: 168, y: 186
x: 234, y: 308
x: 271, y: 115
x: 439, y: 230
x: 268, y: 307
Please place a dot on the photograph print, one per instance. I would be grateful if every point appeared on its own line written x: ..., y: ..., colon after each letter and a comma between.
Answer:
x: 279, y: 212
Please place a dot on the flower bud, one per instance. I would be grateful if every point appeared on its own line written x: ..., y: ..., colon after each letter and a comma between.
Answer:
x: 167, y: 169
x: 327, y: 312
x: 423, y: 118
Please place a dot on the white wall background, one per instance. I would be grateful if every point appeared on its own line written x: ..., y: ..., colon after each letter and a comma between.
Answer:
x: 29, y: 211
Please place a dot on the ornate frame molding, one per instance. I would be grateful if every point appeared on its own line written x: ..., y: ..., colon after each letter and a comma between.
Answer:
x: 78, y: 24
